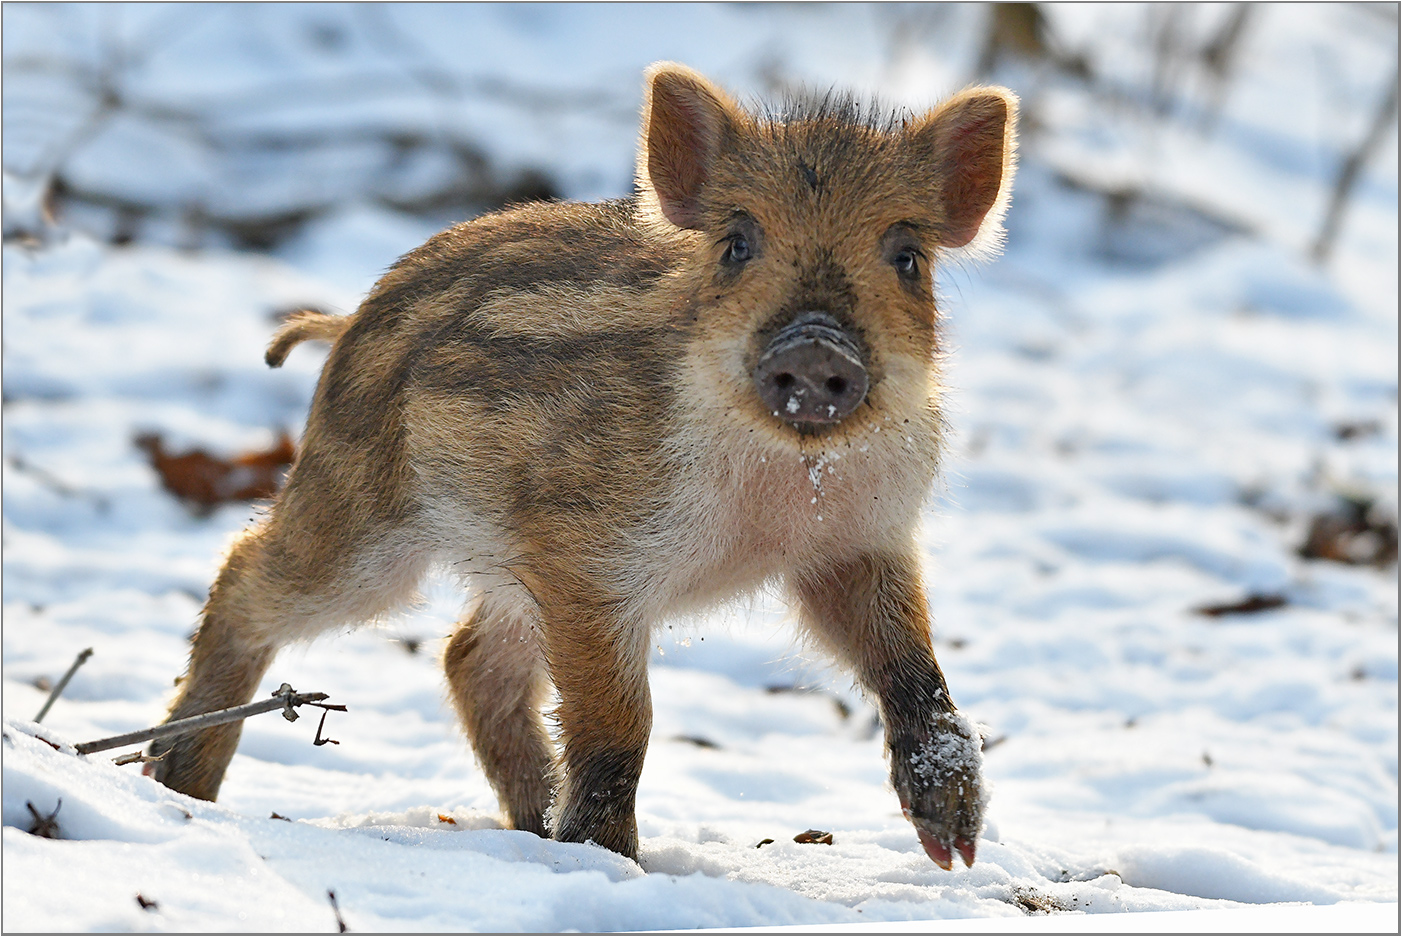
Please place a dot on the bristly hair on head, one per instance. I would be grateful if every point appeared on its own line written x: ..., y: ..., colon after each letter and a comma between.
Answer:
x: 837, y: 106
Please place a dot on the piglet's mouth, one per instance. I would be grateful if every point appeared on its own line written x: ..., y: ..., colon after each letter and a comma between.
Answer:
x: 811, y: 373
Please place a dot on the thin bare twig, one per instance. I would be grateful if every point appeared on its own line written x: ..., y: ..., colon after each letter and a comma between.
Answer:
x: 81, y: 659
x: 45, y: 825
x: 322, y: 739
x: 285, y: 698
x: 1219, y: 58
x: 340, y: 922
x: 1352, y: 168
x: 57, y: 485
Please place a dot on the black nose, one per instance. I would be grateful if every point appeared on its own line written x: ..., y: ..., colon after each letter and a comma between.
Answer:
x: 811, y: 372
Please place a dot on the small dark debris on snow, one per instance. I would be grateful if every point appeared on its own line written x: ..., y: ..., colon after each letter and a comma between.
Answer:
x: 410, y: 644
x: 814, y: 836
x: 1357, y: 531
x: 843, y: 710
x: 1035, y: 902
x: 54, y: 745
x: 340, y: 922
x: 1089, y: 875
x: 45, y: 826
x: 1261, y: 499
x: 147, y: 904
x: 444, y: 818
x: 277, y: 816
x: 139, y: 758
x: 700, y: 741
x: 764, y: 842
x: 204, y: 481
x: 1357, y: 430
x: 1255, y: 602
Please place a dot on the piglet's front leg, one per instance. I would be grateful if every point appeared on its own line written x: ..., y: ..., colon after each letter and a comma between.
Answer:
x: 870, y: 612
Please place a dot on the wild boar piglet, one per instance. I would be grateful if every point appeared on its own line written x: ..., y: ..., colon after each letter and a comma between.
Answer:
x: 605, y: 416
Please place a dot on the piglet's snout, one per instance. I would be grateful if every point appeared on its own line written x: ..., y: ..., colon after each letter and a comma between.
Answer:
x: 811, y: 372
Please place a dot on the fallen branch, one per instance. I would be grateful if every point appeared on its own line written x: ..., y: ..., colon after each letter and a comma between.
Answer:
x: 284, y: 698
x: 54, y: 694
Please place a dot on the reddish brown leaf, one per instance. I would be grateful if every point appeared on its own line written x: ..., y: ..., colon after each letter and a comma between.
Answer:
x: 204, y: 480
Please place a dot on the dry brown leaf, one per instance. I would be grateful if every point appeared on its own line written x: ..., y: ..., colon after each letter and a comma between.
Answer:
x: 204, y: 480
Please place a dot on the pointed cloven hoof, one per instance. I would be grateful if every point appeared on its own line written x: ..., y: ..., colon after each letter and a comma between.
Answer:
x: 966, y: 849
x: 936, y: 850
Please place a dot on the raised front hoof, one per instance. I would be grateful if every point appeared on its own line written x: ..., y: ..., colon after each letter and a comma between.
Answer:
x: 940, y: 849
x: 939, y: 779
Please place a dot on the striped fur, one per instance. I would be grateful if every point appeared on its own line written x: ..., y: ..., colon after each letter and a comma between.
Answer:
x: 555, y: 402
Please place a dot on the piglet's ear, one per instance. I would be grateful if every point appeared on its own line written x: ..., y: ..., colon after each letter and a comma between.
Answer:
x: 686, y: 121
x: 970, y: 141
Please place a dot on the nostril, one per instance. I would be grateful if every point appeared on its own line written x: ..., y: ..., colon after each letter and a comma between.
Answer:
x: 810, y: 374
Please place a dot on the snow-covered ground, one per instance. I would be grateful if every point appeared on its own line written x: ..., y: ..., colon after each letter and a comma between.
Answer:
x: 1153, y: 391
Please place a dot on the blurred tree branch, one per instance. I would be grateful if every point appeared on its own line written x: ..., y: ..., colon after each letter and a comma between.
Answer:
x: 1353, y: 165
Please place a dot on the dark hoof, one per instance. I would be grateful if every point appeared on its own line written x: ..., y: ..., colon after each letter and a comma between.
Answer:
x: 938, y: 777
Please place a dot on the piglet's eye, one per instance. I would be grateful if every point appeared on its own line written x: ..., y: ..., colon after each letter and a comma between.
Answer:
x: 739, y: 250
x: 905, y: 264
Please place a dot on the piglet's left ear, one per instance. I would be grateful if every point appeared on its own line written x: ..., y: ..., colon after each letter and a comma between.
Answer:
x: 969, y: 142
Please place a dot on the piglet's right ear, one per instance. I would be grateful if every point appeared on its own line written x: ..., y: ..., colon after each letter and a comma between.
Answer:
x: 686, y: 121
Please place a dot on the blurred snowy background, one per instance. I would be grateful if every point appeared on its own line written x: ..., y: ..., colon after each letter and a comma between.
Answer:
x: 1163, y: 562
